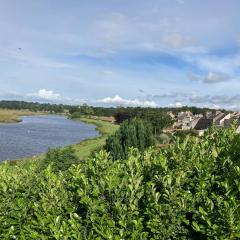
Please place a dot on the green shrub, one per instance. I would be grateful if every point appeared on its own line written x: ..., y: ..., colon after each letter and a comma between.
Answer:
x: 75, y: 115
x: 187, y: 191
x: 60, y: 159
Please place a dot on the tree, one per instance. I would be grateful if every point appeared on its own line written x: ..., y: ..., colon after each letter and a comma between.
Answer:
x: 121, y: 116
x: 134, y: 133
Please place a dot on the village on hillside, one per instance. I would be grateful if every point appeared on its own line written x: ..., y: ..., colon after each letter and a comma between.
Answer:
x: 201, y: 122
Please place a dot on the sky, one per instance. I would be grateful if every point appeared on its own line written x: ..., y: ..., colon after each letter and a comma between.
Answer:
x: 150, y: 53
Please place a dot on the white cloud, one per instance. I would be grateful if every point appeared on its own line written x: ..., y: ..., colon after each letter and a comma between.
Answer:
x: 215, y: 78
x: 211, y: 77
x: 45, y: 94
x: 117, y: 100
x: 42, y: 95
x: 225, y: 65
x: 176, y: 104
x: 217, y: 101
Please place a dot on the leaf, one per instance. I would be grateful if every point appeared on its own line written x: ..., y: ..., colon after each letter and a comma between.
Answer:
x: 195, y: 226
x: 201, y: 210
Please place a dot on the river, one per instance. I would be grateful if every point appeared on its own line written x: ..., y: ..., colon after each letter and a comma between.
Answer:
x: 35, y: 134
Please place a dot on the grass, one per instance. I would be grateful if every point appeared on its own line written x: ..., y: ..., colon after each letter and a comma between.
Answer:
x: 86, y: 147
x: 13, y: 116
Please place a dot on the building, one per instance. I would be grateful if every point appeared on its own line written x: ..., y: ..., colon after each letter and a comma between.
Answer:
x: 203, y: 124
x: 186, y: 120
x: 171, y: 115
x: 218, y: 118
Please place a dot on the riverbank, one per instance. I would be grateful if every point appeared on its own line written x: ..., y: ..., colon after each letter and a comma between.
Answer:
x: 14, y: 116
x: 86, y: 147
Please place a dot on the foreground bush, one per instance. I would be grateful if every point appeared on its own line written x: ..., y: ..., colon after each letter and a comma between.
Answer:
x: 189, y: 191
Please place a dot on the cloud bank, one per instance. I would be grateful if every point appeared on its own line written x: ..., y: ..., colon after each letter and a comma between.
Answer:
x: 119, y: 101
x: 45, y: 94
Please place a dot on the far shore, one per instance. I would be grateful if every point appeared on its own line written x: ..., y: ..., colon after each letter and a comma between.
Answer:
x: 14, y: 116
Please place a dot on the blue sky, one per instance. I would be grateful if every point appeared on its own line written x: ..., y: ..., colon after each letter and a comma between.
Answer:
x: 121, y: 52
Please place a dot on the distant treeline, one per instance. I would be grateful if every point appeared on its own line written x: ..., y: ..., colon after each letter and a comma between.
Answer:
x: 118, y: 112
x: 33, y: 106
x: 134, y: 111
x: 111, y: 111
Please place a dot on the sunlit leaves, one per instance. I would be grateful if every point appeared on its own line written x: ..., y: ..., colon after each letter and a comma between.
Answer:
x: 188, y: 191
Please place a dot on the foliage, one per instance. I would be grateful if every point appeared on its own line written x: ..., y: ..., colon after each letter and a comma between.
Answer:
x: 60, y: 158
x: 75, y: 115
x: 81, y: 110
x: 188, y: 191
x: 33, y: 106
x: 157, y: 117
x: 122, y: 115
x: 132, y: 112
x: 163, y: 138
x: 184, y: 133
x: 133, y: 133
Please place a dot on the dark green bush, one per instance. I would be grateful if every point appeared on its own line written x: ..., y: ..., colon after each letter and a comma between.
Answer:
x: 60, y: 159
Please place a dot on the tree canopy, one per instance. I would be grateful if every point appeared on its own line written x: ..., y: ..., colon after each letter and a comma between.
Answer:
x: 132, y: 133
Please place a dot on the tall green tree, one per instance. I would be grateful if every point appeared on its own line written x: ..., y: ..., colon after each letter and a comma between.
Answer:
x: 134, y: 133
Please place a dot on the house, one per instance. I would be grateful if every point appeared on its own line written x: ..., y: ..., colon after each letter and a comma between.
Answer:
x: 226, y: 117
x: 203, y: 124
x: 229, y: 122
x: 186, y: 120
x: 171, y: 115
x: 235, y: 115
x: 218, y: 118
x: 210, y: 115
x: 238, y: 129
x: 182, y: 115
x: 194, y: 122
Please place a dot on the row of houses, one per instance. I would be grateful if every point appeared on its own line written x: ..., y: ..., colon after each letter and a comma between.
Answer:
x: 201, y: 122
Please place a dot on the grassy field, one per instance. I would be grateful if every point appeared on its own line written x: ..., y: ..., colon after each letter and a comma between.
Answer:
x: 13, y: 116
x: 86, y: 147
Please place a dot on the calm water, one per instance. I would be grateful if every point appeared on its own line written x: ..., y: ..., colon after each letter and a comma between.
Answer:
x: 35, y: 134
